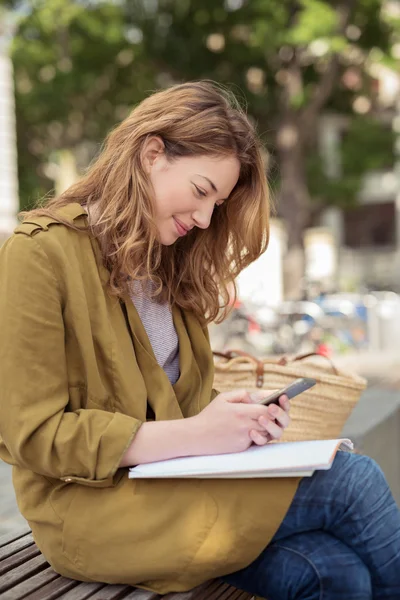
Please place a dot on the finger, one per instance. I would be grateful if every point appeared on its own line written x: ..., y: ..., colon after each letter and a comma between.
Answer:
x: 239, y: 395
x: 279, y: 415
x: 274, y: 430
x: 284, y: 403
x: 259, y: 438
x: 254, y: 411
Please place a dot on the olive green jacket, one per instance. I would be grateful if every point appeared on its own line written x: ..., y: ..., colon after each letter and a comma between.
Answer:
x: 77, y: 379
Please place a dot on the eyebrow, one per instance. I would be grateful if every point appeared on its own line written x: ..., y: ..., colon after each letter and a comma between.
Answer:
x: 209, y: 181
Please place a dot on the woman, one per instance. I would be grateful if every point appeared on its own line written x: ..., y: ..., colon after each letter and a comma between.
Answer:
x: 105, y: 363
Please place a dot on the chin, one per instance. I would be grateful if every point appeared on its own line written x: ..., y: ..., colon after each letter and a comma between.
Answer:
x: 168, y: 240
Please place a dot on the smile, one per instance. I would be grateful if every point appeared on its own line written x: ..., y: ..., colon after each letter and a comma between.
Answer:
x: 180, y: 228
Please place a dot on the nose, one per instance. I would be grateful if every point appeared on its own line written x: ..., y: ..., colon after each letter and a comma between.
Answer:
x: 202, y: 216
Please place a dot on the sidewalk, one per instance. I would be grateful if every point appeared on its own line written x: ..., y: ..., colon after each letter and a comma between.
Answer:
x: 10, y: 518
x: 374, y: 425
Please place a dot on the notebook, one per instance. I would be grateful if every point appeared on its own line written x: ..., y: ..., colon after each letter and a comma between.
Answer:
x: 286, y: 459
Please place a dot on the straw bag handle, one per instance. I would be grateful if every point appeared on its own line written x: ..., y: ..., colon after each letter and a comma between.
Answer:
x: 259, y: 364
x: 284, y: 360
x: 229, y: 354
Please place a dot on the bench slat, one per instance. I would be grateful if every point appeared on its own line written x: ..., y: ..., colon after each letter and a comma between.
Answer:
x: 218, y: 590
x: 229, y: 594
x: 53, y: 590
x: 209, y: 590
x: 83, y: 591
x: 30, y: 585
x: 246, y: 596
x: 15, y: 560
x: 21, y: 572
x: 213, y: 592
x: 112, y: 592
x: 6, y: 538
x: 16, y: 546
x: 138, y: 594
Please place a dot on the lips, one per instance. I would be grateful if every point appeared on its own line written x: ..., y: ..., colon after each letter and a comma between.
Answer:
x: 181, y: 228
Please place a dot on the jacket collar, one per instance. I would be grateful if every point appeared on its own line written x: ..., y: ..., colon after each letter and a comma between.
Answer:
x: 72, y: 211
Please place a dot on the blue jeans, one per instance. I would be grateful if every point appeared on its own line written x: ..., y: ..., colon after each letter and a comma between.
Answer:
x: 340, y: 539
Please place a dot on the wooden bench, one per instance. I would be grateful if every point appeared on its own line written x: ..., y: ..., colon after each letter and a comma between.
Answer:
x: 24, y: 573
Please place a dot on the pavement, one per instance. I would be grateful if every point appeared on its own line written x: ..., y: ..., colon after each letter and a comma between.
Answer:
x: 10, y: 518
x: 374, y: 425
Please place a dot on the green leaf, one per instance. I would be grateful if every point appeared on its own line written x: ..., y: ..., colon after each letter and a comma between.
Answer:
x: 315, y: 20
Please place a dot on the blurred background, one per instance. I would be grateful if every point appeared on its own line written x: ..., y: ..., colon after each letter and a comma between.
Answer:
x: 321, y: 80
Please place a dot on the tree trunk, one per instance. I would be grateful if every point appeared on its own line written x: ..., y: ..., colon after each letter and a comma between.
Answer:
x: 293, y: 203
x: 9, y: 204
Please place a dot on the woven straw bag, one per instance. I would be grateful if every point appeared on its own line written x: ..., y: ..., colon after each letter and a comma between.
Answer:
x: 318, y: 413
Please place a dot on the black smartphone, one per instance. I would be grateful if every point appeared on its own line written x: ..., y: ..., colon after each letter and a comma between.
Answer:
x: 292, y: 390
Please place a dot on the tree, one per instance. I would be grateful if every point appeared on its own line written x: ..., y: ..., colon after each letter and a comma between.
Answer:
x: 78, y: 70
x: 81, y: 64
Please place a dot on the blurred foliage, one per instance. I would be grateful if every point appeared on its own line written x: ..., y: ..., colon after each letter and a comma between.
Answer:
x: 255, y: 44
x: 77, y: 73
x: 80, y: 65
x: 366, y: 146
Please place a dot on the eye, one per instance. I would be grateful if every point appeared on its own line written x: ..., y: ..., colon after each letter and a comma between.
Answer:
x: 199, y: 191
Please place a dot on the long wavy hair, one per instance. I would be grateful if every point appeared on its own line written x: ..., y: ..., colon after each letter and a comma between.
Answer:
x: 198, y: 271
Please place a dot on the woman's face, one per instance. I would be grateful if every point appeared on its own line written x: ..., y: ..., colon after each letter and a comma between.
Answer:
x: 187, y: 189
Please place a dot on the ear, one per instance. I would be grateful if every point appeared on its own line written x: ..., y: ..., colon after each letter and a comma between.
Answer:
x: 152, y: 149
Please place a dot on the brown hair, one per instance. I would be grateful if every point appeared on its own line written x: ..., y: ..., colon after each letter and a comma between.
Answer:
x: 192, y: 119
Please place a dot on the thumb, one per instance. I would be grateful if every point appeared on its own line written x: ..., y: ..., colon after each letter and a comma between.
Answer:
x: 258, y: 396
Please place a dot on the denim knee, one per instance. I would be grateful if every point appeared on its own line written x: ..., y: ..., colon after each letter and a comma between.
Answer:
x: 359, y: 464
x: 328, y: 572
x: 361, y: 476
x: 279, y: 573
x: 365, y: 465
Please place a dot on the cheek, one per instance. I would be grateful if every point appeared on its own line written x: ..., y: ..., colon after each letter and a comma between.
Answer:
x: 163, y: 192
x: 170, y: 197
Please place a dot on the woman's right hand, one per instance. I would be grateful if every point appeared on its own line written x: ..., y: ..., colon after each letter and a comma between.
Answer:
x: 234, y: 420
x: 230, y: 423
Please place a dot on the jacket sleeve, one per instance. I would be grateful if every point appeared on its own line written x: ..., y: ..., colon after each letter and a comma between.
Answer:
x: 37, y: 429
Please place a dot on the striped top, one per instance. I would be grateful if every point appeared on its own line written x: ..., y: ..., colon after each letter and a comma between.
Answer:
x: 159, y: 325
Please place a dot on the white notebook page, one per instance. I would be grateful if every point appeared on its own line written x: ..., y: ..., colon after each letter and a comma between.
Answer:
x: 258, y: 461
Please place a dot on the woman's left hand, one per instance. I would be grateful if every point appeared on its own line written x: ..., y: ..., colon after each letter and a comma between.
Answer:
x: 272, y: 427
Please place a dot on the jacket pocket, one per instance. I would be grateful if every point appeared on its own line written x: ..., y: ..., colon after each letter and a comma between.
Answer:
x: 80, y: 516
